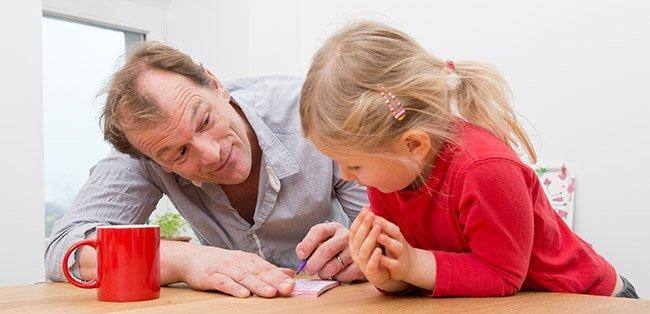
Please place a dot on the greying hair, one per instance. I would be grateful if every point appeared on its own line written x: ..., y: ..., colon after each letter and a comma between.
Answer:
x: 127, y: 107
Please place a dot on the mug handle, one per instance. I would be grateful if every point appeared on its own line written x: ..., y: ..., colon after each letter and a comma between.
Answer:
x: 66, y: 271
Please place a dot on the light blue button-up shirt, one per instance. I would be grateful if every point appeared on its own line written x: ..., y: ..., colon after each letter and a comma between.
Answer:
x: 299, y: 187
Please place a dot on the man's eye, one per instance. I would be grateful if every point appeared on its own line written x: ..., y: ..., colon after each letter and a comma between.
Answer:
x: 206, y: 122
x: 354, y: 168
x: 181, y: 154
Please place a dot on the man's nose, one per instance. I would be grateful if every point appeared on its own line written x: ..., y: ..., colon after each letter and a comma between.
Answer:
x: 208, y: 150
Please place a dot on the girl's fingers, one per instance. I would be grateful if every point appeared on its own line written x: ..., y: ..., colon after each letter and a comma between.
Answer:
x: 392, y: 245
x: 389, y: 228
x: 390, y: 263
x: 357, y: 222
x: 362, y: 232
x: 353, y: 234
x: 373, y: 263
x: 369, y: 244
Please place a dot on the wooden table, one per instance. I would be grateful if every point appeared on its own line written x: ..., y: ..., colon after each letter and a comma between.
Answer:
x: 64, y: 298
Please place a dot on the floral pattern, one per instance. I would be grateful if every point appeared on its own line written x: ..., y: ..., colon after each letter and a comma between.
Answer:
x: 559, y: 184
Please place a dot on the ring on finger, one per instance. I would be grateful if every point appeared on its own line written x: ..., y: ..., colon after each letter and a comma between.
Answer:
x: 338, y: 258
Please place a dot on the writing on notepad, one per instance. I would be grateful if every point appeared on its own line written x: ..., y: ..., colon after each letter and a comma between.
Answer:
x: 312, y: 288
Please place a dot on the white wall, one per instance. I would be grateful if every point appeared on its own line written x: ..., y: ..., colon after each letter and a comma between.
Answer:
x: 215, y: 33
x: 21, y: 139
x: 579, y: 72
x: 577, y: 69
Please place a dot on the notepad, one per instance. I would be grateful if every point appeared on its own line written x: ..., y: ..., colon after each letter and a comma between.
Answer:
x: 312, y: 288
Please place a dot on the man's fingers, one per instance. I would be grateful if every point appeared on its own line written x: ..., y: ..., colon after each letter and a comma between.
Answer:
x: 277, y: 279
x: 256, y: 285
x: 325, y: 252
x: 270, y: 274
x: 314, y: 237
x: 334, y: 266
x: 260, y: 263
x: 288, y: 271
x: 225, y: 284
x: 349, y: 274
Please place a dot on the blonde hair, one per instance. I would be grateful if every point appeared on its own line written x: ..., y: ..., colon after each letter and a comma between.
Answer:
x: 342, y: 105
x: 127, y: 107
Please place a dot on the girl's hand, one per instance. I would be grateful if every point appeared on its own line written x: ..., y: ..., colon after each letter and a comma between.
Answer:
x: 400, y: 255
x: 364, y: 247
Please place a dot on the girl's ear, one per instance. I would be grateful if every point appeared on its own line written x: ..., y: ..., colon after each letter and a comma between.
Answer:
x: 417, y: 144
x: 216, y: 84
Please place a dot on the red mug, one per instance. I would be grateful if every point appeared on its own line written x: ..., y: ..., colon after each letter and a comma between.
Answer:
x: 128, y: 263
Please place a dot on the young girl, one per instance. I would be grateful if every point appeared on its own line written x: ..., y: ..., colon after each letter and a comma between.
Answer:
x: 454, y: 211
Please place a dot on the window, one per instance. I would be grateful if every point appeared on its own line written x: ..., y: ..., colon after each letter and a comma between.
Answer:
x: 77, y: 60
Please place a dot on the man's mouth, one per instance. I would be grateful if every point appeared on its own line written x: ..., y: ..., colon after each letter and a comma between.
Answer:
x: 225, y: 163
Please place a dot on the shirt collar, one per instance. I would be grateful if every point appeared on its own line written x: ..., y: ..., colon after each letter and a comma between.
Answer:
x: 276, y: 154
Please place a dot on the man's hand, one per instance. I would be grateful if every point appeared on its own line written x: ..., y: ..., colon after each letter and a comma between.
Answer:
x: 233, y: 272
x: 209, y: 268
x: 326, y: 246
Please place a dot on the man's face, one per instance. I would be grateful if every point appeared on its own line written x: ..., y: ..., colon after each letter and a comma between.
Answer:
x: 203, y: 138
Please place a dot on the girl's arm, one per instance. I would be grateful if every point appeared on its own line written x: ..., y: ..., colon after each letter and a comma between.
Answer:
x: 496, y: 212
x: 404, y: 262
x: 423, y: 271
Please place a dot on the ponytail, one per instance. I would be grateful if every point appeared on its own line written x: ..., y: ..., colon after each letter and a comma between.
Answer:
x: 483, y: 98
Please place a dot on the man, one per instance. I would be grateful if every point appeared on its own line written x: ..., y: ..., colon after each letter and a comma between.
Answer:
x: 232, y: 160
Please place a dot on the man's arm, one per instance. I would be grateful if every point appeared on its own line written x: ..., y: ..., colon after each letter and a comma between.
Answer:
x: 116, y: 192
x: 119, y: 191
x: 209, y: 268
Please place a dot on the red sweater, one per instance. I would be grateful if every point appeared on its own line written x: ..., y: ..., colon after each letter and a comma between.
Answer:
x: 490, y: 226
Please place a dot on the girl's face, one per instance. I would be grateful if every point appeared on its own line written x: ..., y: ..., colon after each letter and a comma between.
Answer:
x: 385, y: 174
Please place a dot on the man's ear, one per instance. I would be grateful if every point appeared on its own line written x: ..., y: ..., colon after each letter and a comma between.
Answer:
x: 216, y: 84
x: 417, y: 144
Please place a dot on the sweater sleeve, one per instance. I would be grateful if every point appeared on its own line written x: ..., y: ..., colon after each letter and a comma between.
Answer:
x: 496, y: 216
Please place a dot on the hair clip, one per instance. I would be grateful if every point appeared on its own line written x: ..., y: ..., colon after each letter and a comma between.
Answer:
x: 394, y: 105
x: 451, y: 79
x: 451, y: 65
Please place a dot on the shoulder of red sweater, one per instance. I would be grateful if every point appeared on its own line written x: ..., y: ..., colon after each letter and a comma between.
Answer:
x: 475, y: 144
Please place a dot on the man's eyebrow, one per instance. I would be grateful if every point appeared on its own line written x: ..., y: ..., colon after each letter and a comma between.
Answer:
x: 162, y: 151
x: 195, y: 109
x: 196, y: 105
